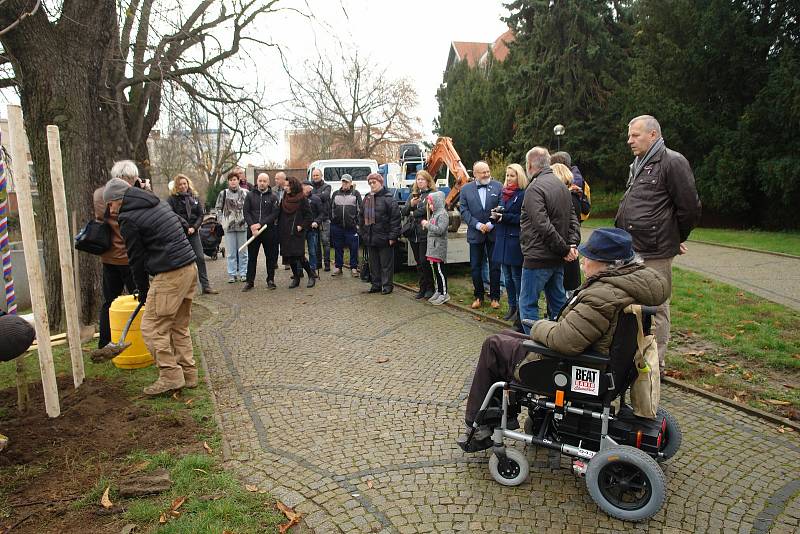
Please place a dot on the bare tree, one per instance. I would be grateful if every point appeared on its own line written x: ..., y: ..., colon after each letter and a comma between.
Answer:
x: 97, y: 69
x: 352, y: 113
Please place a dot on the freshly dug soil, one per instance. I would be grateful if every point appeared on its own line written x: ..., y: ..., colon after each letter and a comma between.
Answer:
x: 51, y: 463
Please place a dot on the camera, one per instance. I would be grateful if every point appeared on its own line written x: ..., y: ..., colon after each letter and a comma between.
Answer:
x: 497, y: 213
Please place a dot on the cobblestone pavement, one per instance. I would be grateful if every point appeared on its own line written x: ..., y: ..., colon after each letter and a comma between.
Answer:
x: 771, y: 276
x: 346, y: 406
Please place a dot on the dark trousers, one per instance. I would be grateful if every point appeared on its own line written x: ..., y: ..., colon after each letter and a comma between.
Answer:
x: 341, y: 238
x: 116, y: 279
x: 423, y: 265
x: 500, y: 354
x: 298, y: 265
x: 197, y: 246
x: 477, y: 253
x: 267, y: 240
x: 437, y: 267
x: 381, y: 267
x: 323, y: 246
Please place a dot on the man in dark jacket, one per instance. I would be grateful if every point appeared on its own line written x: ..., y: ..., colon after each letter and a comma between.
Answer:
x: 615, y: 278
x: 345, y: 210
x: 323, y: 191
x: 261, y: 209
x: 380, y: 228
x: 157, y: 246
x: 659, y: 209
x: 549, y: 235
x: 318, y: 214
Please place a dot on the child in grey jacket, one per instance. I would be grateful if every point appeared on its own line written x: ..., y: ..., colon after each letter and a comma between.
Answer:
x: 436, y: 252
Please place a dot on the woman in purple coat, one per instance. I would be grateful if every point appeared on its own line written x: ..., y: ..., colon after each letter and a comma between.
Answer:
x: 507, y: 250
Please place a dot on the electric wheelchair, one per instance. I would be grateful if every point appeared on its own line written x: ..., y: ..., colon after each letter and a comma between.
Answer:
x: 570, y: 410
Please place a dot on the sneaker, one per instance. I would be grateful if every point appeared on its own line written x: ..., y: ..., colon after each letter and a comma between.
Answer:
x: 441, y: 300
x: 243, y: 278
x: 336, y: 272
x: 354, y: 272
x: 232, y: 280
x: 434, y: 297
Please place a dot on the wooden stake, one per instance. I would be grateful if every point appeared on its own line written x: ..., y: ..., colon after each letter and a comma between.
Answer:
x: 32, y: 265
x: 77, y: 266
x: 65, y: 255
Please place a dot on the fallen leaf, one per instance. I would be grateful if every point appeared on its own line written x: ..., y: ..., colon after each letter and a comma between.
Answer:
x: 174, y: 513
x: 747, y: 375
x: 777, y: 402
x: 706, y: 386
x: 163, y: 518
x: 128, y: 529
x: 382, y: 359
x: 141, y: 466
x: 208, y: 449
x: 717, y: 374
x: 105, y: 501
x: 200, y: 470
x: 251, y: 488
x: 189, y: 402
x: 369, y: 484
x: 729, y: 337
x: 291, y: 515
x: 781, y: 429
x: 177, y: 504
x: 262, y: 492
x: 176, y: 396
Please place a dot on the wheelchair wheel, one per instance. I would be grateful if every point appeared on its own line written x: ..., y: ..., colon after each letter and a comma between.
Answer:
x: 672, y: 438
x: 512, y: 471
x: 626, y: 483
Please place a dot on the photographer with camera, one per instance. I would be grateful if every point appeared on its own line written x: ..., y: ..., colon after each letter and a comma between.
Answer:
x: 507, y: 251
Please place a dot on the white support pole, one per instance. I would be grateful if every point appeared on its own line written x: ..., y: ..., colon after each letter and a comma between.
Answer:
x: 28, y: 226
x: 65, y: 255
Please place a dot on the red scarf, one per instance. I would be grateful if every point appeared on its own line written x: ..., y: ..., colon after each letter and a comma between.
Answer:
x: 508, y: 191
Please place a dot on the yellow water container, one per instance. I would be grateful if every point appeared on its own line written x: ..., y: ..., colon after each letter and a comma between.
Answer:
x: 136, y: 356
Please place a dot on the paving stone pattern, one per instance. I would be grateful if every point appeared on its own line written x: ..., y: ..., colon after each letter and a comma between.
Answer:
x: 310, y: 414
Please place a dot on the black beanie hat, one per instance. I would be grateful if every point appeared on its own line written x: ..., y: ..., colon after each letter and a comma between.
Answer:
x: 16, y: 335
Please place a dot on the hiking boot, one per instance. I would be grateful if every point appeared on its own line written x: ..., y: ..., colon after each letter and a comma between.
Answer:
x: 210, y: 291
x: 434, y: 297
x: 190, y: 377
x: 481, y: 439
x: 476, y: 304
x: 161, y: 386
x: 336, y: 272
x: 495, y: 304
x: 247, y: 287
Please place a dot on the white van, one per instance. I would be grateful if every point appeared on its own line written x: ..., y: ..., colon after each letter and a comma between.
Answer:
x: 333, y: 169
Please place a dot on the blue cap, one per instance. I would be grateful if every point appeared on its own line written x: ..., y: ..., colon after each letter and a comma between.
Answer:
x: 608, y: 245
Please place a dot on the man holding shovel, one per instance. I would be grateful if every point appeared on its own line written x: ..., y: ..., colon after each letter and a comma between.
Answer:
x: 157, y: 246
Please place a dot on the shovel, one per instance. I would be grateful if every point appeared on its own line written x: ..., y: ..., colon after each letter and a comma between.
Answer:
x: 114, y: 349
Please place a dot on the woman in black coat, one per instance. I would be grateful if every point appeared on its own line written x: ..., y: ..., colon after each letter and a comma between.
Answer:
x: 293, y: 222
x: 572, y: 271
x: 184, y: 202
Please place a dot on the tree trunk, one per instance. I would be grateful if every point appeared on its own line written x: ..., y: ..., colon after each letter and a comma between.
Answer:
x: 59, y: 69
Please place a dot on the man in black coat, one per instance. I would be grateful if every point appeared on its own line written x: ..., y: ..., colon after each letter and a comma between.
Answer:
x: 157, y: 246
x: 380, y: 228
x: 323, y: 190
x: 261, y: 209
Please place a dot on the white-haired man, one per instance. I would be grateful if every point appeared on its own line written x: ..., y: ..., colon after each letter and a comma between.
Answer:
x: 659, y: 209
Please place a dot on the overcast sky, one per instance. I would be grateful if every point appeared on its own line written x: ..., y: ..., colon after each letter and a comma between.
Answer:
x: 410, y: 38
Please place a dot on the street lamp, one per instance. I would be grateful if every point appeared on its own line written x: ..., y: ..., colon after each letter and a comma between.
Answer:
x: 559, y: 130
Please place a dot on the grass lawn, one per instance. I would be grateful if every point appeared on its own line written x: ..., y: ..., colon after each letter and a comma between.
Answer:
x: 723, y: 339
x: 784, y: 242
x: 215, y: 500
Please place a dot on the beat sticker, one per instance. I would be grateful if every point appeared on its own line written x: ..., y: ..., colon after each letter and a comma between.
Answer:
x: 585, y: 380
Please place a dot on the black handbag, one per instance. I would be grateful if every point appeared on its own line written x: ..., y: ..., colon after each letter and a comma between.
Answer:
x: 95, y: 237
x: 407, y: 229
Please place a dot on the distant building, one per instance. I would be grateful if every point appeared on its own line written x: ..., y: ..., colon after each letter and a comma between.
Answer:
x: 306, y: 146
x: 477, y: 54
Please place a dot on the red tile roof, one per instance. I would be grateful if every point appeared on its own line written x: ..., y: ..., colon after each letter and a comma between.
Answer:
x: 472, y: 52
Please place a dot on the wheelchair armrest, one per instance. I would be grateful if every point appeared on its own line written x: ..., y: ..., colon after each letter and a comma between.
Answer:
x: 586, y: 357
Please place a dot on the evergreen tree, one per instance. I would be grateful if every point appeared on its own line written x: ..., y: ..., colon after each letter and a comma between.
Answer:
x: 564, y: 67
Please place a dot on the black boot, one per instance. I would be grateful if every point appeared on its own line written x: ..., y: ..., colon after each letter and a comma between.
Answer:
x: 296, y: 272
x: 312, y: 275
x: 295, y: 282
x: 512, y: 310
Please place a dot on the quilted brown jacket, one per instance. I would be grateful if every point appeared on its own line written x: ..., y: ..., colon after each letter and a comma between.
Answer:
x: 590, y: 318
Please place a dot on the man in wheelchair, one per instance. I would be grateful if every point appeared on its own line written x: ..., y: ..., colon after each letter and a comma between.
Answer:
x: 615, y: 279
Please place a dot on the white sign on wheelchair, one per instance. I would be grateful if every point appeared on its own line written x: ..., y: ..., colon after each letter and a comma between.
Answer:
x: 585, y: 380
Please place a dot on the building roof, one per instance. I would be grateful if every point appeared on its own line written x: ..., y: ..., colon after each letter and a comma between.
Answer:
x: 470, y: 51
x: 500, y: 45
x: 478, y: 53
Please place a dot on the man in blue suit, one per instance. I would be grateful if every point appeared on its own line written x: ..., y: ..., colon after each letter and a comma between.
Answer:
x: 478, y: 199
